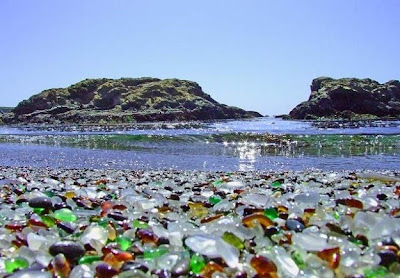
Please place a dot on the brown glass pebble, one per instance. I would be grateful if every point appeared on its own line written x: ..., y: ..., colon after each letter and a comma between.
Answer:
x: 260, y: 218
x: 263, y: 266
x: 210, y: 268
x: 332, y: 256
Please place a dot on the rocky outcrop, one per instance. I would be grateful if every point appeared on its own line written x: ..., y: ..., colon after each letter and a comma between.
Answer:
x: 350, y: 98
x: 122, y: 101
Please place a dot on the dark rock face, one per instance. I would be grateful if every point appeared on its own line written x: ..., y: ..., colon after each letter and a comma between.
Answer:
x: 350, y: 98
x: 122, y: 101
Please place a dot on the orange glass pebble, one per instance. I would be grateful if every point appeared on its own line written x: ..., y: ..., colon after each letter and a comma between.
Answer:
x: 332, y: 256
x: 122, y: 256
x: 262, y: 219
x: 210, y: 218
x: 263, y: 266
x: 210, y: 268
x: 61, y: 266
x: 106, y: 206
x: 389, y: 247
x: 112, y: 261
x: 395, y: 212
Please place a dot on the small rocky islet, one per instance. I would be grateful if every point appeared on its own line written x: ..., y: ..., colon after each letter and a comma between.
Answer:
x: 121, y: 223
x: 349, y: 99
x: 124, y: 100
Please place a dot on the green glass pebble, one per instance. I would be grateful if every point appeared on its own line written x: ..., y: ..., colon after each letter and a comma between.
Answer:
x: 275, y: 184
x: 49, y: 193
x: 271, y: 213
x: 336, y: 215
x: 214, y: 199
x: 65, y: 215
x: 39, y: 211
x: 232, y: 239
x: 15, y: 264
x: 48, y: 221
x: 298, y: 259
x: 89, y: 259
x: 140, y: 224
x: 103, y: 222
x: 155, y: 253
x: 124, y: 242
x: 113, y: 195
x: 197, y: 263
x: 355, y: 241
x: 217, y: 182
x: 376, y: 272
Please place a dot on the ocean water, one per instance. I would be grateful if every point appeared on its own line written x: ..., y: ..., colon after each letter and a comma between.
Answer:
x: 240, y: 145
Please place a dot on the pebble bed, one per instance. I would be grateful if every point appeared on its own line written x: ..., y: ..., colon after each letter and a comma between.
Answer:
x: 117, y: 223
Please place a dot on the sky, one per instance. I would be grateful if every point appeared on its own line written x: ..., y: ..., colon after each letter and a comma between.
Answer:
x: 258, y: 55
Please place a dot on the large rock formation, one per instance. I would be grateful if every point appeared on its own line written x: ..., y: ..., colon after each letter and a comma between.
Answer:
x: 121, y: 101
x: 350, y: 98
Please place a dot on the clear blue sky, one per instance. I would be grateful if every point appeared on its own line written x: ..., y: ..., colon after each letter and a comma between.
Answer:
x: 259, y: 55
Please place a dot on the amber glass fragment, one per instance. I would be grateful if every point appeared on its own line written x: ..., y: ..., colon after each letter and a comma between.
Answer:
x: 263, y: 266
x: 332, y: 256
x: 262, y: 219
x: 210, y: 218
x: 61, y: 266
x: 122, y: 256
x: 395, y: 212
x: 112, y: 261
x: 210, y: 268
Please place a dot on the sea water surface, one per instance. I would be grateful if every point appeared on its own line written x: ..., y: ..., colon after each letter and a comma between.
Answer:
x: 240, y: 145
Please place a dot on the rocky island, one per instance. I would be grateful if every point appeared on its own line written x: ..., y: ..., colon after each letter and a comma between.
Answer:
x: 124, y: 100
x: 350, y: 99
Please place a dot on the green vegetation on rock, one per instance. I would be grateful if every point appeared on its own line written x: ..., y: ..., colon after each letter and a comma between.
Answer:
x: 350, y: 98
x: 125, y: 100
